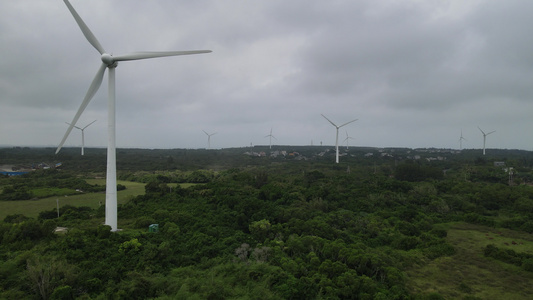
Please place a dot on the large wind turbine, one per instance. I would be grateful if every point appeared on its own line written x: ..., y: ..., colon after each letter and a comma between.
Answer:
x: 347, y: 139
x: 271, y: 136
x: 109, y: 62
x: 337, y: 136
x: 82, y: 134
x: 485, y: 137
x: 461, y: 141
x: 209, y: 139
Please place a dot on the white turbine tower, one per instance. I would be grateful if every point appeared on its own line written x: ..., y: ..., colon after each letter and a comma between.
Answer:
x: 82, y: 135
x: 485, y: 137
x: 347, y: 139
x: 461, y: 141
x: 337, y: 136
x: 109, y: 62
x: 271, y: 136
x: 209, y: 139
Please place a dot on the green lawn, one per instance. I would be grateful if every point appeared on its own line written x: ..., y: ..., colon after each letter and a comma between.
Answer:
x: 468, y: 273
x: 32, y: 208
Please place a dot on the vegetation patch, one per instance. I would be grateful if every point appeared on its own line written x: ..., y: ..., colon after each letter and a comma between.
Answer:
x: 403, y: 224
x: 467, y: 273
x: 94, y: 200
x: 49, y: 192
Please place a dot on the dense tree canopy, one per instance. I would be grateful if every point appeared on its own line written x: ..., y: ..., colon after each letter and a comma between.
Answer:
x: 267, y: 230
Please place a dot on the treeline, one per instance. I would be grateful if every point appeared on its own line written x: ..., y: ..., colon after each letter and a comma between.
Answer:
x: 44, y: 183
x: 524, y: 260
x: 197, y: 176
x: 133, y: 160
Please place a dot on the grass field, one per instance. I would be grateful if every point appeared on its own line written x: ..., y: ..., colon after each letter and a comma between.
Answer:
x: 32, y: 208
x: 470, y: 275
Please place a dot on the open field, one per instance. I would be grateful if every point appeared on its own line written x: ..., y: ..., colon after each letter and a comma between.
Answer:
x: 468, y: 272
x: 32, y: 208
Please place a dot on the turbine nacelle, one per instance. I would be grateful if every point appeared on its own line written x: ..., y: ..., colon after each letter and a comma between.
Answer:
x: 108, y: 60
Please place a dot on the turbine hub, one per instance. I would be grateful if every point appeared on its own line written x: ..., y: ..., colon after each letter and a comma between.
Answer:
x: 107, y: 59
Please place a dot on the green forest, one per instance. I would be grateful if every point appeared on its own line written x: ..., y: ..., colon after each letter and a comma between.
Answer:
x: 281, y: 223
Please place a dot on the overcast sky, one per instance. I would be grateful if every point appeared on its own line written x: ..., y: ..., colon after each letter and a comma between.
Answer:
x: 414, y: 73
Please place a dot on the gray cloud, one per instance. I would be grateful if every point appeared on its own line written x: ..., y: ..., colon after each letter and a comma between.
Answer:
x: 414, y: 72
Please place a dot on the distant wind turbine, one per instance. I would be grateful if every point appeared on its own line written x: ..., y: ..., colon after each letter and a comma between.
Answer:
x: 461, y: 141
x: 271, y: 136
x: 209, y: 138
x: 485, y: 137
x: 82, y: 134
x: 109, y: 62
x: 347, y: 139
x: 337, y: 136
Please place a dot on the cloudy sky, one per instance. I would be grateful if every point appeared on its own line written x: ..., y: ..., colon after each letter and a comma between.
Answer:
x: 415, y: 73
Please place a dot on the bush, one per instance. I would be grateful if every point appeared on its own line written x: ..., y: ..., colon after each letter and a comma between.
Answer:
x: 143, y: 222
x: 62, y: 293
x: 16, y: 218
x: 527, y: 264
x: 406, y: 243
x: 103, y: 231
x: 441, y: 233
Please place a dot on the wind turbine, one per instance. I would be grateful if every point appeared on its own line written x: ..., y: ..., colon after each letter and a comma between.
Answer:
x: 337, y: 136
x: 209, y: 138
x: 485, y: 137
x: 82, y: 135
x: 347, y: 139
x: 271, y: 136
x: 109, y: 62
x: 461, y: 141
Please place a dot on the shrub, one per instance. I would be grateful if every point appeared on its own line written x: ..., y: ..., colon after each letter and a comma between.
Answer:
x: 16, y: 218
x: 527, y: 264
x: 143, y: 222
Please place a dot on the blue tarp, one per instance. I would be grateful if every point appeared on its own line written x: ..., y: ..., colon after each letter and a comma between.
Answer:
x: 13, y: 173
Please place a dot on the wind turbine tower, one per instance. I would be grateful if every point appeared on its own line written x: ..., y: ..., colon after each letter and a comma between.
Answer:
x: 82, y: 135
x: 485, y: 137
x: 337, y: 136
x: 461, y: 141
x: 209, y: 139
x: 110, y: 62
x: 271, y: 136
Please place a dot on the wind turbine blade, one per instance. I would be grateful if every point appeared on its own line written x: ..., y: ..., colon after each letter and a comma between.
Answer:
x: 95, y: 85
x: 145, y: 55
x: 71, y: 124
x: 348, y: 123
x: 329, y: 120
x: 89, y: 124
x: 481, y: 130
x: 85, y: 29
x: 205, y: 132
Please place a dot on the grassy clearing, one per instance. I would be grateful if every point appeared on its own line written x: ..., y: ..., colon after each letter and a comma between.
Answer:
x: 468, y: 273
x: 32, y: 208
